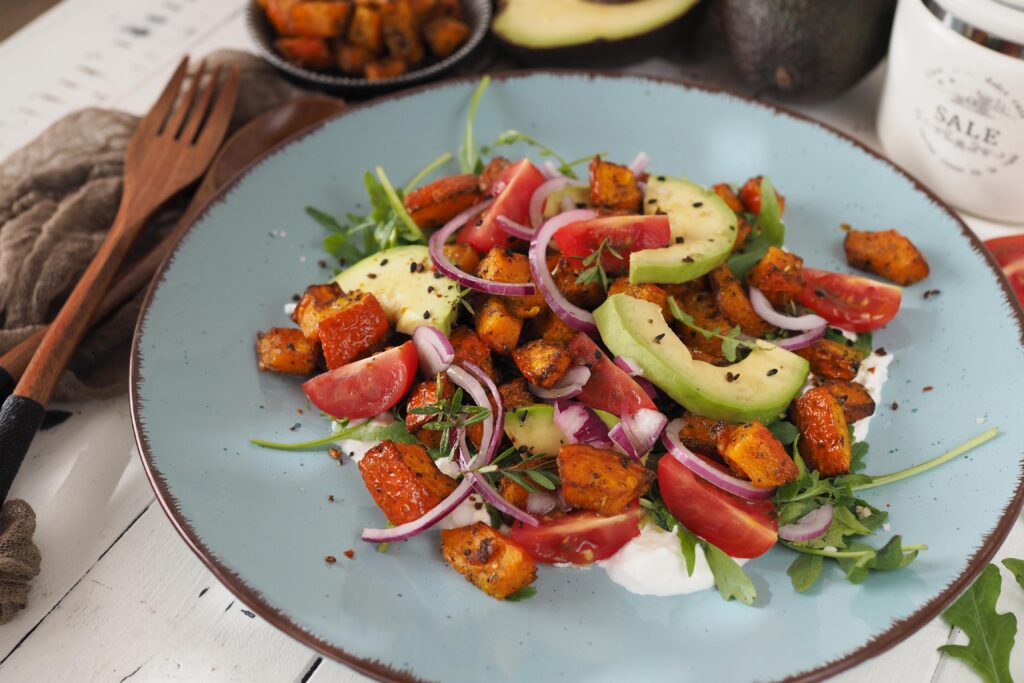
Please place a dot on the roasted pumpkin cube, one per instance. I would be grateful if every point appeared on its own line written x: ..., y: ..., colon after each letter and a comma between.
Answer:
x: 824, y: 435
x: 543, y: 363
x: 497, y: 326
x: 423, y: 10
x: 702, y: 434
x: 385, y: 68
x: 732, y: 301
x: 353, y: 332
x: 646, y: 291
x: 613, y: 188
x: 550, y: 327
x: 445, y: 35
x: 853, y: 397
x: 436, y: 203
x: 320, y: 302
x: 312, y: 53
x: 404, y: 481
x: 470, y: 347
x: 513, y: 492
x: 366, y: 29
x: 831, y: 359
x: 724, y: 191
x: 566, y: 274
x: 286, y: 349
x: 514, y: 394
x: 601, y: 479
x: 401, y: 37
x: 463, y: 257
x: 492, y: 171
x: 778, y: 276
x: 489, y: 560
x: 319, y: 19
x: 425, y: 394
x: 886, y: 253
x: 750, y: 195
x: 353, y: 59
x: 753, y: 452
x: 501, y: 264
x: 279, y: 12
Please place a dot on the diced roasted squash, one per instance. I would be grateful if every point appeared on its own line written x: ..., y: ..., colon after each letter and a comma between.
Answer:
x: 279, y: 12
x: 702, y: 434
x: 566, y: 273
x: 403, y: 480
x: 701, y: 306
x: 306, y: 52
x: 824, y: 435
x: 353, y: 59
x: 513, y: 492
x: 398, y: 24
x: 778, y: 276
x: 752, y: 452
x: 613, y: 188
x: 501, y: 264
x: 450, y: 8
x: 489, y: 560
x: 319, y: 19
x: 436, y: 203
x: 724, y: 191
x: 497, y: 326
x: 542, y: 363
x: 732, y: 301
x: 750, y: 195
x: 831, y: 359
x: 366, y: 29
x: 853, y: 397
x: 320, y: 302
x: 286, y: 349
x: 445, y: 35
x: 514, y: 394
x: 646, y: 291
x: 385, y: 68
x: 886, y: 253
x: 463, y: 257
x: 550, y: 327
x: 601, y: 479
x: 470, y: 347
x: 354, y: 331
x: 492, y: 171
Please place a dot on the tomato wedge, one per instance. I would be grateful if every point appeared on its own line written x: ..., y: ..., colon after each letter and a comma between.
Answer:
x: 610, y: 388
x: 849, y: 301
x: 740, y: 527
x: 625, y: 234
x: 579, y: 537
x: 516, y: 185
x: 366, y: 387
x: 1009, y: 253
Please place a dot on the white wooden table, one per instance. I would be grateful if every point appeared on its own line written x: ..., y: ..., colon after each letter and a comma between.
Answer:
x: 120, y: 595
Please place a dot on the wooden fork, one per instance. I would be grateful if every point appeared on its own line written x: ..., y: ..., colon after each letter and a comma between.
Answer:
x: 171, y: 148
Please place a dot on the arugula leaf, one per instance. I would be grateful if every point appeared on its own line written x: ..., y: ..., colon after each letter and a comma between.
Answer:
x: 688, y: 544
x: 730, y: 578
x: 512, y: 136
x: 805, y: 570
x: 731, y: 340
x: 469, y: 155
x: 862, y: 343
x: 368, y: 431
x: 426, y: 171
x: 413, y: 232
x: 1016, y: 568
x: 524, y: 593
x: 991, y: 633
x: 770, y: 218
x: 785, y: 431
x: 858, y: 451
x: 743, y: 260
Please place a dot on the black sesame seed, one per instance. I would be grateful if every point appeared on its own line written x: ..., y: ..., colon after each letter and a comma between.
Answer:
x: 688, y: 259
x: 820, y: 294
x: 657, y: 340
x: 372, y: 276
x: 430, y: 289
x: 597, y: 354
x: 730, y: 377
x: 697, y: 205
x: 680, y: 239
x: 296, y: 297
x: 895, y: 405
x: 652, y: 200
x: 661, y: 179
x: 773, y: 371
x: 880, y: 351
x: 426, y: 315
x: 383, y: 262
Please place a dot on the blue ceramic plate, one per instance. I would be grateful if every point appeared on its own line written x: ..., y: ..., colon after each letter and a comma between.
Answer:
x: 261, y: 520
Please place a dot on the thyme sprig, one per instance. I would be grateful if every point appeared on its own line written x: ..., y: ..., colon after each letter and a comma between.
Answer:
x: 593, y: 265
x: 450, y: 415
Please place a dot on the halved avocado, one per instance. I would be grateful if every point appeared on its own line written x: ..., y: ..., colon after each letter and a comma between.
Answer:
x: 587, y: 32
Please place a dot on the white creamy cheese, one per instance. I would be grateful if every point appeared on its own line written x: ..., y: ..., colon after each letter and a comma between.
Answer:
x: 469, y: 511
x: 873, y: 372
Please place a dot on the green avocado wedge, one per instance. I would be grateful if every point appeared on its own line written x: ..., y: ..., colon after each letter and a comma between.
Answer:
x: 534, y: 428
x: 759, y: 387
x: 703, y: 232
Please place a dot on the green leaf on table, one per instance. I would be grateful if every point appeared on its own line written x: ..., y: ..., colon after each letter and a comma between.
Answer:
x: 1016, y: 568
x: 991, y: 633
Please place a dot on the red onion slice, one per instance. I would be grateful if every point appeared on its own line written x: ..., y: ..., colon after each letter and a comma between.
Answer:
x: 445, y: 266
x: 726, y: 482
x: 476, y: 391
x: 498, y: 409
x: 764, y: 308
x: 540, y: 195
x: 580, y: 424
x: 570, y: 385
x: 574, y: 316
x: 406, y: 531
x: 435, y: 351
x: 636, y: 434
x: 809, y: 527
x: 634, y: 370
x: 549, y: 170
x: 639, y: 163
x: 541, y: 502
x: 484, y: 488
x: 801, y: 340
x: 515, y: 229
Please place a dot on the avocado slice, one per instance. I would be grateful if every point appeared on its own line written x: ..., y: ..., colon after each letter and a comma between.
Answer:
x: 759, y: 387
x: 585, y: 32
x: 408, y: 289
x: 703, y: 232
x: 534, y: 427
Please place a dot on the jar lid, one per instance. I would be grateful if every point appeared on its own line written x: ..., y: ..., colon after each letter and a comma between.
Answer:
x: 1001, y: 18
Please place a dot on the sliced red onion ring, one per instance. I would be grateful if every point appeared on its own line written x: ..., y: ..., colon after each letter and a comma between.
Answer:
x: 726, y: 482
x: 812, y: 525
x: 634, y: 370
x: 570, y: 385
x: 764, y: 308
x: 801, y: 340
x: 549, y: 170
x: 406, y: 531
x: 540, y: 196
x: 445, y: 266
x: 636, y: 434
x: 498, y: 409
x: 515, y: 229
x: 574, y: 316
x: 580, y: 424
x: 435, y: 351
x: 484, y: 488
x: 461, y: 377
x: 541, y: 502
x: 639, y: 163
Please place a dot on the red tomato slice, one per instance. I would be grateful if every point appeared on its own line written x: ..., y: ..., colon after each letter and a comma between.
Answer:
x: 1009, y: 253
x: 625, y: 234
x: 610, y: 388
x: 740, y: 527
x: 517, y: 183
x: 579, y: 537
x: 849, y: 301
x: 366, y: 387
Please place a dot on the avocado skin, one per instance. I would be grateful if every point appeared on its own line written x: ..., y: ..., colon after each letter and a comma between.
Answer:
x: 806, y: 49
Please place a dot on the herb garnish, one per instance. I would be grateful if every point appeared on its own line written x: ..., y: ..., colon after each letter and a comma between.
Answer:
x: 450, y: 415
x: 767, y: 230
x: 524, y: 593
x: 565, y: 167
x: 530, y: 471
x: 731, y: 340
x: 593, y: 265
x: 862, y: 343
x: 366, y: 431
x: 469, y: 155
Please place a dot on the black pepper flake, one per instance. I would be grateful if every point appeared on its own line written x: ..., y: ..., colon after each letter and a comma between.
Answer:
x: 412, y: 267
x: 322, y: 263
x: 697, y: 205
x: 688, y: 259
x: 730, y: 377
x: 773, y: 371
x: 657, y: 340
x: 895, y: 405
x: 624, y: 462
x: 820, y: 294
x: 680, y: 239
x: 880, y: 351
x: 372, y: 276
x: 660, y: 212
x: 294, y: 426
x: 296, y: 297
x: 350, y: 554
x: 661, y: 179
x: 430, y: 289
x: 928, y: 388
x: 330, y: 559
x: 426, y: 315
x: 652, y: 200
x: 931, y: 292
x: 437, y: 275
x: 330, y: 499
x: 383, y: 262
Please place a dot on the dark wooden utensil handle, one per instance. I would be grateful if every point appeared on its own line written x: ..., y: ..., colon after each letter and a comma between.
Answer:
x: 20, y: 418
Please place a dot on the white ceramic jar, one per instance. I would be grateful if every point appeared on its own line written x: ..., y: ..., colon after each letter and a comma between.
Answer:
x: 952, y: 111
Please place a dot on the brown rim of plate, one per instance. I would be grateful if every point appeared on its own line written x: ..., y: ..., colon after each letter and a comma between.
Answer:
x: 378, y: 670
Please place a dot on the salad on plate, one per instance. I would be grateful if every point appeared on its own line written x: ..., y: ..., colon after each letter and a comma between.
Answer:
x: 586, y: 363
